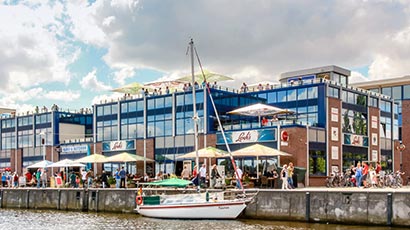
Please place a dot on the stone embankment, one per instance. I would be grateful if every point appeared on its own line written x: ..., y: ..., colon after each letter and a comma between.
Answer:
x: 345, y: 206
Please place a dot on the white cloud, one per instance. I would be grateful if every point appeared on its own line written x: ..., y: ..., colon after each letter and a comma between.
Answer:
x: 107, y: 98
x: 90, y: 82
x: 62, y: 95
x: 357, y: 77
x: 124, y: 73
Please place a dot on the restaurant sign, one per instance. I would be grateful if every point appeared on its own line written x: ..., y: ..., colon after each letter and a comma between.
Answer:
x: 118, y: 145
x: 248, y: 136
x: 74, y: 148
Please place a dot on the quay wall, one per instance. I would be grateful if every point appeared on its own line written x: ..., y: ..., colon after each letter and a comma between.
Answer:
x: 370, y: 207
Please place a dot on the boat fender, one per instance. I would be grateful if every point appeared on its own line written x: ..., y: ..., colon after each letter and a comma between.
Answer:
x: 138, y: 200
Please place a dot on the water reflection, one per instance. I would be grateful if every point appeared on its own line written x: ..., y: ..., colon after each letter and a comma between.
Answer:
x: 59, y: 220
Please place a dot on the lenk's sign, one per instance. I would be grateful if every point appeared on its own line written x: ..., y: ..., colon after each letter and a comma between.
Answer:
x: 118, y: 145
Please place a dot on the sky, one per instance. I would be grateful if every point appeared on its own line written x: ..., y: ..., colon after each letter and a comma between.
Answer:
x: 73, y: 53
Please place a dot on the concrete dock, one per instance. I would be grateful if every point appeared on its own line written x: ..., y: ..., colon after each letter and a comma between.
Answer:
x: 388, y: 207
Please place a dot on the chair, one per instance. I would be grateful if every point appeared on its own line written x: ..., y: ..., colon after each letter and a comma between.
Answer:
x: 264, y: 181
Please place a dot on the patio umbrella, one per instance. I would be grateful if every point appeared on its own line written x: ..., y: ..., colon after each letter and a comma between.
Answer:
x: 132, y: 88
x: 260, y: 110
x: 41, y: 164
x: 94, y: 158
x: 163, y: 84
x: 66, y: 163
x: 173, y: 182
x: 208, y: 152
x: 210, y: 77
x: 126, y: 157
x: 258, y: 150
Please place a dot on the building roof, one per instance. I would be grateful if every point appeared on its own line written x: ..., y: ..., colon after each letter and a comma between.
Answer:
x: 383, y: 82
x: 317, y: 70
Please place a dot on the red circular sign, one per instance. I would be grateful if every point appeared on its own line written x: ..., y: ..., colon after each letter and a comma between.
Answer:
x: 284, y: 136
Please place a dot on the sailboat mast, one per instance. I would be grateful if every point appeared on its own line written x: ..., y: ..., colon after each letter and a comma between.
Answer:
x: 195, y: 116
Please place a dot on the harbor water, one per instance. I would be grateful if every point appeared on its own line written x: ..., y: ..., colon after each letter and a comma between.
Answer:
x: 62, y: 220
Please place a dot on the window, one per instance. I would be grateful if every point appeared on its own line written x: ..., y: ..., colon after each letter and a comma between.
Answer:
x: 387, y: 91
x: 333, y: 92
x: 317, y: 162
x: 406, y: 92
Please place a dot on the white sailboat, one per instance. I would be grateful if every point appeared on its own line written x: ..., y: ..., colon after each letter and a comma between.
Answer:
x: 192, y: 206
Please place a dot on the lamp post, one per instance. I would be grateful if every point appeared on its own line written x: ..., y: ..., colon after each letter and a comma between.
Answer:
x: 401, y: 148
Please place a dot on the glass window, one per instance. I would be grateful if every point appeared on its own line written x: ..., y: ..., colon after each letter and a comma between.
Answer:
x: 387, y: 91
x: 396, y: 92
x: 291, y: 95
x: 317, y: 162
x: 282, y: 96
x: 312, y: 92
x: 406, y: 92
x: 302, y: 94
x: 271, y: 97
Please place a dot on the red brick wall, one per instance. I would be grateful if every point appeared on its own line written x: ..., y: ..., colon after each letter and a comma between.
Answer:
x: 335, y: 108
x: 405, y: 138
x: 374, y: 131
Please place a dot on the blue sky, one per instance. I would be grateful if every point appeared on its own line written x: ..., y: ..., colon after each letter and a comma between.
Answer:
x: 72, y: 53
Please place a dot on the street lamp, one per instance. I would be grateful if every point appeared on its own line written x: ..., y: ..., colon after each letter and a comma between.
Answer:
x: 43, y: 144
x: 401, y: 148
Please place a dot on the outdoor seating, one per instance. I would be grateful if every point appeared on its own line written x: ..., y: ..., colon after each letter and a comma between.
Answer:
x: 264, y: 181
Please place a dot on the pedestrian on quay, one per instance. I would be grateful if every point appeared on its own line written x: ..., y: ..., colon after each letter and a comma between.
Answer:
x: 214, y: 175
x: 185, y: 173
x: 3, y: 179
x: 358, y: 174
x: 365, y: 172
x: 44, y: 178
x: 104, y: 179
x: 284, y: 177
x: 122, y: 175
x: 290, y: 175
x: 38, y: 177
x: 15, y: 180
x: 83, y: 177
x: 202, y: 175
x: 117, y: 178
x: 73, y: 182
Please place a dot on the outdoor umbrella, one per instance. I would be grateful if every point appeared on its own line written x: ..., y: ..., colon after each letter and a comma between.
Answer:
x: 163, y: 84
x: 260, y: 110
x: 126, y: 157
x: 208, y: 152
x: 66, y: 163
x: 258, y: 150
x: 132, y: 88
x: 210, y: 77
x: 173, y: 182
x: 41, y: 164
x: 94, y: 158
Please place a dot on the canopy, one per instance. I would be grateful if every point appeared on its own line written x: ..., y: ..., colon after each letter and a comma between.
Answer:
x: 173, y: 182
x: 41, y: 164
x: 163, y: 84
x: 208, y: 152
x: 259, y: 110
x: 94, y: 158
x: 66, y: 163
x: 210, y: 77
x: 132, y: 88
x: 126, y: 157
x: 258, y: 150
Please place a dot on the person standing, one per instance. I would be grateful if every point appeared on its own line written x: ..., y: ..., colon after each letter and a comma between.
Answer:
x: 117, y: 178
x: 202, y: 175
x: 284, y: 177
x: 185, y: 173
x: 83, y: 177
x: 72, y: 180
x: 358, y: 175
x: 104, y: 179
x: 122, y: 175
x: 290, y: 175
x: 365, y: 172
x: 214, y: 175
x: 44, y: 178
x: 238, y: 175
x: 38, y: 177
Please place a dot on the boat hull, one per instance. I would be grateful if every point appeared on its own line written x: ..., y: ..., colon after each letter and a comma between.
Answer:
x: 209, y: 210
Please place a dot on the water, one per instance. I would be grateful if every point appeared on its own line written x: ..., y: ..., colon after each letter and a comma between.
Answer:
x: 61, y: 220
